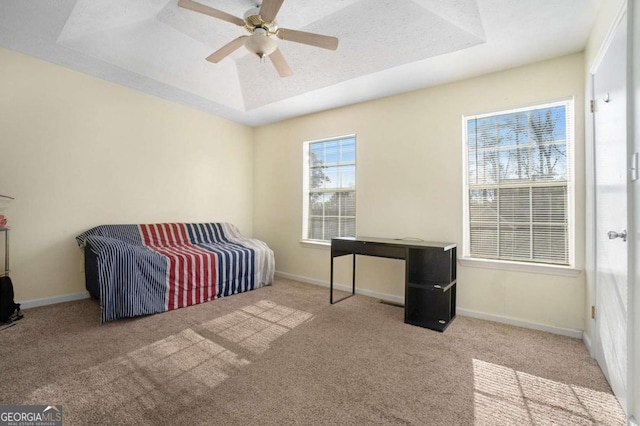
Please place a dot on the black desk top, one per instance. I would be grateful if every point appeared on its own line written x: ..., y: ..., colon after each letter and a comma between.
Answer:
x: 399, y: 242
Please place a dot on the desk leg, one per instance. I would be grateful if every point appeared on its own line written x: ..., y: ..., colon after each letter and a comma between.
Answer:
x: 353, y: 277
x: 331, y: 284
x: 353, y: 282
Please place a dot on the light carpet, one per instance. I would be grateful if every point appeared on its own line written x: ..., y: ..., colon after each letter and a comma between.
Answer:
x: 282, y: 355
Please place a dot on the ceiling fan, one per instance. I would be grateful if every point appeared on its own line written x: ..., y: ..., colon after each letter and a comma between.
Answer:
x: 261, y: 25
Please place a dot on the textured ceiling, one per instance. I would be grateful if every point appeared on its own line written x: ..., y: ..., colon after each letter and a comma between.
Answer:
x: 386, y: 47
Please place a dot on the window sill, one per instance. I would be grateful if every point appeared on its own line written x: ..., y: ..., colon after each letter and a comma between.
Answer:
x: 566, y: 271
x: 323, y: 245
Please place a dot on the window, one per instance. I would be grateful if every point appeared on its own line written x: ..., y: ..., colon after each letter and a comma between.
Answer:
x: 519, y: 185
x: 329, y: 189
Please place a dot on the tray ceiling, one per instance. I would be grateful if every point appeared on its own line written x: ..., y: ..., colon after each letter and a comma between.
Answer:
x: 386, y: 47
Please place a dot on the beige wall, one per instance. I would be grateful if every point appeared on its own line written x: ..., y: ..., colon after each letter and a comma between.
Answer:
x: 409, y: 184
x: 77, y: 151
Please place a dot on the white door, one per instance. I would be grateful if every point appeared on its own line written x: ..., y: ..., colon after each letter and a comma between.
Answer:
x: 610, y: 121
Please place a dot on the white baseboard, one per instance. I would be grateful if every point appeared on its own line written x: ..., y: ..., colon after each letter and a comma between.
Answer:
x: 344, y: 287
x: 33, y: 303
x: 587, y: 342
x: 578, y: 334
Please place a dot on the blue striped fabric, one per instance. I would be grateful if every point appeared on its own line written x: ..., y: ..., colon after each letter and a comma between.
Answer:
x: 144, y: 269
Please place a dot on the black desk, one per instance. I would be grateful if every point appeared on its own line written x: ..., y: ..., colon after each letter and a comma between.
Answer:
x: 430, y: 275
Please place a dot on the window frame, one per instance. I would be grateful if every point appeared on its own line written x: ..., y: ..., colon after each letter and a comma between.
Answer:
x: 306, y: 190
x: 517, y: 265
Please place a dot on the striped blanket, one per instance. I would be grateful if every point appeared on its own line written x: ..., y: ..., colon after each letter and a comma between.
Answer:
x: 144, y: 269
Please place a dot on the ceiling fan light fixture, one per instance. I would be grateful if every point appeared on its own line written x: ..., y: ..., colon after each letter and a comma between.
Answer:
x: 260, y: 43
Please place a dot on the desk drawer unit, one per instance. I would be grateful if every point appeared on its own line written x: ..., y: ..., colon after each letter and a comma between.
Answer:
x: 430, y: 305
x: 430, y: 288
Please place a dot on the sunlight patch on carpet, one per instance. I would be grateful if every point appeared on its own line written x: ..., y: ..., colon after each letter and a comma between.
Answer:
x: 503, y: 395
x: 256, y: 326
x: 179, y: 368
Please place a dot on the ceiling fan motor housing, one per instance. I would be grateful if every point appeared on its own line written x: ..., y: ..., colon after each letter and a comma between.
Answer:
x: 253, y: 21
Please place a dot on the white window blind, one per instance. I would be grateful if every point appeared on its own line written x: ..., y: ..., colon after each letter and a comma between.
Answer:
x: 330, y: 189
x: 519, y: 184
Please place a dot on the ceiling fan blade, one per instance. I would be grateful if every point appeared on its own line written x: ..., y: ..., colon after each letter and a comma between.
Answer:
x: 269, y: 9
x: 279, y: 62
x: 197, y: 7
x: 226, y: 50
x: 318, y: 40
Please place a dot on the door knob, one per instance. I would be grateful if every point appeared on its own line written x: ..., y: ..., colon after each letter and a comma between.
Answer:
x: 613, y: 235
